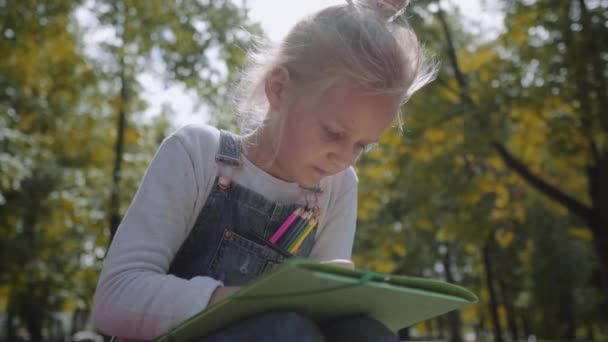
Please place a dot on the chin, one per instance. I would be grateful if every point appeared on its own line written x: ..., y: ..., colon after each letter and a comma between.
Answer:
x: 308, y: 184
x: 309, y: 181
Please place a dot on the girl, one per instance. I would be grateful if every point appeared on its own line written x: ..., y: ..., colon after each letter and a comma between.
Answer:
x: 211, y: 202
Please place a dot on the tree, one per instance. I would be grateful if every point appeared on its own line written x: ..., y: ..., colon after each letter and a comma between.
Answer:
x: 184, y: 37
x: 444, y: 174
x: 569, y: 92
x: 56, y: 142
x: 43, y: 79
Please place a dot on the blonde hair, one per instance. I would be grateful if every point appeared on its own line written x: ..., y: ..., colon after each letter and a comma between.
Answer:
x: 357, y: 43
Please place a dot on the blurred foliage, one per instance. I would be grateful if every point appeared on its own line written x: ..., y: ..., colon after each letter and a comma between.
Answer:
x: 501, y: 166
x: 60, y: 97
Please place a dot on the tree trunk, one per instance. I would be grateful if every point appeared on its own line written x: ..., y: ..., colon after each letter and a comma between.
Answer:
x: 80, y: 317
x: 118, y: 152
x: 508, y: 302
x: 115, y: 216
x: 33, y: 314
x: 512, y: 322
x: 598, y: 191
x: 590, y: 332
x: 492, y: 292
x: 568, y: 316
x: 11, y: 334
x: 440, y: 327
x: 525, y: 325
x: 479, y: 328
x: 31, y: 309
x: 454, y: 322
x: 463, y: 89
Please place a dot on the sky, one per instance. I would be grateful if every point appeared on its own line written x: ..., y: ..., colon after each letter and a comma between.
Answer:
x: 276, y: 18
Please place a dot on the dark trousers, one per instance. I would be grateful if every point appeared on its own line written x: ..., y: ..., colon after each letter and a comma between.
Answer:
x: 291, y: 326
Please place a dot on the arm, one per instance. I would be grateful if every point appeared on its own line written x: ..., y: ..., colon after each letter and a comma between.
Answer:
x: 135, y: 298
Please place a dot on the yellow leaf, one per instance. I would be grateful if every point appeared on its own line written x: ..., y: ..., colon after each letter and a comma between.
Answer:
x: 4, y: 294
x: 502, y: 196
x: 425, y: 224
x: 422, y: 154
x: 504, y: 237
x: 69, y: 305
x: 384, y: 266
x: 375, y: 173
x: 469, y: 314
x: 420, y: 328
x: 442, y: 235
x: 519, y: 213
x: 502, y: 315
x: 581, y: 233
x: 471, y: 198
x: 495, y: 162
x: 399, y: 249
x: 459, y: 161
x: 498, y: 214
x: 526, y: 254
x: 470, y: 249
x: 486, y: 184
x: 434, y: 135
x: 484, y: 295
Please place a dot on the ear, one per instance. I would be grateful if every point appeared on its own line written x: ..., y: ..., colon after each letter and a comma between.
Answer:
x: 275, y: 87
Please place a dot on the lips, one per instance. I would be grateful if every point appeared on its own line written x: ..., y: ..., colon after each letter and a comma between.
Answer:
x: 321, y: 172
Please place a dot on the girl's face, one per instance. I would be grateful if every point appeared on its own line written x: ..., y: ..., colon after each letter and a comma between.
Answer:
x: 324, y: 135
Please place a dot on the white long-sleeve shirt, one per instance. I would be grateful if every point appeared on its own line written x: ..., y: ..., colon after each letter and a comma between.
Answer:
x: 135, y: 298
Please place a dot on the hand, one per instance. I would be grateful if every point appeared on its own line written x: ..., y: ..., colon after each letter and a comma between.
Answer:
x: 341, y: 262
x: 221, y: 293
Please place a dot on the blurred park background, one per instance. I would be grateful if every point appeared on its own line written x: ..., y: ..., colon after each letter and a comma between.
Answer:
x: 498, y: 180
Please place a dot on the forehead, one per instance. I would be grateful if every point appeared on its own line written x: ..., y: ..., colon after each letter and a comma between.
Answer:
x: 357, y: 106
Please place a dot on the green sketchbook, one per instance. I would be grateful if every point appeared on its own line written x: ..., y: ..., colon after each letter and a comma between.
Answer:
x: 325, y: 291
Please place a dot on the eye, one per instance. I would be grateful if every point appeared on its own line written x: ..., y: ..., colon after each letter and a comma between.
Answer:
x: 335, y: 135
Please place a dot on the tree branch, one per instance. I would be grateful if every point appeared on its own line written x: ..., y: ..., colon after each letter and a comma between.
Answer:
x: 458, y: 111
x: 451, y: 50
x: 573, y: 205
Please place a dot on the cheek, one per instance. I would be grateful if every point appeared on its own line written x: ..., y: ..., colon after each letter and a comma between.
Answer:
x: 300, y: 148
x: 300, y: 140
x: 296, y: 144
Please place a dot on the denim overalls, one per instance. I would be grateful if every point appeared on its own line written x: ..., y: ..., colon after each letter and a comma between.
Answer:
x: 225, y: 241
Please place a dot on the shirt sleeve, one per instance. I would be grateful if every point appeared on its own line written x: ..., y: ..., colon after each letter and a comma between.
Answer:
x: 135, y: 298
x: 335, y: 240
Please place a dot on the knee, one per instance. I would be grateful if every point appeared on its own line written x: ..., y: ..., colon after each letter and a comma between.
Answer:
x: 292, y: 326
x: 359, y: 328
x: 378, y: 331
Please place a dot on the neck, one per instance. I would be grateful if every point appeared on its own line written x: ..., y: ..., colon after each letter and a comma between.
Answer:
x: 259, y: 148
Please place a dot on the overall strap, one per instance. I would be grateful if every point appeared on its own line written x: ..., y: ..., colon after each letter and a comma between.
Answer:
x: 228, y: 158
x: 230, y: 149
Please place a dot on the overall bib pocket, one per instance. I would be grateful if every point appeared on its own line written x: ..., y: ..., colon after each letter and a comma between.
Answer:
x: 239, y: 260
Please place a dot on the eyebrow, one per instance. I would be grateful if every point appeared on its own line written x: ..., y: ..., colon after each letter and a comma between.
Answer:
x: 343, y: 127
